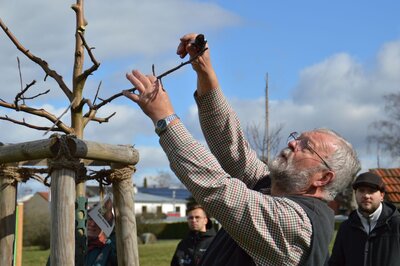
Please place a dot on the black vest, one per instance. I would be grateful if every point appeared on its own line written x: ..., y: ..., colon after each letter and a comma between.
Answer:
x: 224, y: 250
x: 323, y: 222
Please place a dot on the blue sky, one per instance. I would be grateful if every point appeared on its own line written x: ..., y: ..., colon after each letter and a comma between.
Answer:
x: 329, y: 64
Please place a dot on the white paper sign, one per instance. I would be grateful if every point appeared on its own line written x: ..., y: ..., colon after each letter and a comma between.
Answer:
x: 103, y: 215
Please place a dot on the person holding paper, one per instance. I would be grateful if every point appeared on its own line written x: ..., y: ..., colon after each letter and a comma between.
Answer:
x: 102, y: 250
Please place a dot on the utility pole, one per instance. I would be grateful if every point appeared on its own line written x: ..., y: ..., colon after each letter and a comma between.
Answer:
x: 378, y: 155
x: 267, y: 140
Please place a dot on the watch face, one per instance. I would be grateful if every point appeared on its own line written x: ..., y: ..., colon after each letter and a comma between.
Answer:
x: 161, y: 123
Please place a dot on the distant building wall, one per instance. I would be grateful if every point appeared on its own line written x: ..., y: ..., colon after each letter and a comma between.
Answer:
x: 165, y: 208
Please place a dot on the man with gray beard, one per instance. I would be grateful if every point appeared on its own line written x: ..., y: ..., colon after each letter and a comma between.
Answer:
x: 276, y: 215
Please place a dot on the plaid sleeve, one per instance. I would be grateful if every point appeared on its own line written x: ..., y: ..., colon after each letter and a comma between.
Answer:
x: 225, y: 138
x: 272, y: 230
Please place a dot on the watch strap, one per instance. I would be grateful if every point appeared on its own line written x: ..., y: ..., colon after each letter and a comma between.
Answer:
x: 162, y: 124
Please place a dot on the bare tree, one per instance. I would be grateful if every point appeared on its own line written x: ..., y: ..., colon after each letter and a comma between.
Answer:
x: 163, y: 179
x: 264, y: 141
x: 386, y: 132
x: 261, y: 142
x: 82, y: 110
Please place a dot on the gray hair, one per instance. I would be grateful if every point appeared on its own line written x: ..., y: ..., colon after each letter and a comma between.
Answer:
x: 344, y: 162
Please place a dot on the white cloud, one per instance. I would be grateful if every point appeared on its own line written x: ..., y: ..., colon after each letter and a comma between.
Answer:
x: 389, y: 61
x: 124, y: 127
x: 127, y: 31
x: 338, y: 93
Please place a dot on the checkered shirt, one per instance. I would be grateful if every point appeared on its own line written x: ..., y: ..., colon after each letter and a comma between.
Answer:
x: 272, y: 230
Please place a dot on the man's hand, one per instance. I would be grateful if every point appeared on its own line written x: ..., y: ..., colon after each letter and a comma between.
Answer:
x: 149, y: 95
x: 206, y: 78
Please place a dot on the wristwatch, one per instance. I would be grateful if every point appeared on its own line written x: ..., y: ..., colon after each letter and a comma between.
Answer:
x: 162, y: 124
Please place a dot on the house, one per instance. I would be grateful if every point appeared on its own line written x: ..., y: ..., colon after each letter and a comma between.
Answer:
x: 148, y: 203
x: 151, y: 204
x: 36, y: 216
x: 171, y: 202
x: 391, y: 178
x: 145, y: 203
x: 36, y: 204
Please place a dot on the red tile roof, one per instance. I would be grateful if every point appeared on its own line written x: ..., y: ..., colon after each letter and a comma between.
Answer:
x: 391, y: 178
x: 44, y: 195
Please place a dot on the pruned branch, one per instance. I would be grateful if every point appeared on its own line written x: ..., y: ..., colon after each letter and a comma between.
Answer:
x: 108, y: 100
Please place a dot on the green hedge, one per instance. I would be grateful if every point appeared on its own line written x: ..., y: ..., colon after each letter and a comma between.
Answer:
x: 165, y: 230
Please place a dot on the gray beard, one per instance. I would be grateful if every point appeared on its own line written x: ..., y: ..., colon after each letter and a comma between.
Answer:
x: 285, y: 176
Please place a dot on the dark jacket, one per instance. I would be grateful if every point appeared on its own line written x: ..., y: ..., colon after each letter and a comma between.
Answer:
x: 190, y: 249
x: 382, y: 244
x: 105, y: 255
x: 225, y: 251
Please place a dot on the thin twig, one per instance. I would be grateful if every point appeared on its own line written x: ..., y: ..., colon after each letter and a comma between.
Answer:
x: 35, y: 96
x: 59, y: 118
x: 20, y: 76
x: 95, y: 65
x: 97, y: 93
x: 105, y: 101
x: 18, y: 96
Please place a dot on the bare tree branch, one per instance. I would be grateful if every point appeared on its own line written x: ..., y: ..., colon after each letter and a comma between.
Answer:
x: 59, y: 118
x: 386, y: 132
x: 108, y: 100
x: 99, y: 119
x: 19, y: 95
x: 95, y: 65
x: 43, y: 64
x: 38, y: 112
x: 258, y: 141
x: 97, y: 93
x: 20, y: 75
x: 23, y: 123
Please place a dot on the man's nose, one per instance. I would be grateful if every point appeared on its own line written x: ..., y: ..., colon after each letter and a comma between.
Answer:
x: 293, y: 145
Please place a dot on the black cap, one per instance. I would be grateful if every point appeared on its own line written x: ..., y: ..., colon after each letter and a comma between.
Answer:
x: 370, y: 180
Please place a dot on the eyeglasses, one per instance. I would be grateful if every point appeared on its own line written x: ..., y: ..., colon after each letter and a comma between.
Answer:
x: 194, y: 217
x: 294, y: 136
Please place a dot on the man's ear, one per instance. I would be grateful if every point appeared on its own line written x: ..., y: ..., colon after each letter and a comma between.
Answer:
x: 326, y: 178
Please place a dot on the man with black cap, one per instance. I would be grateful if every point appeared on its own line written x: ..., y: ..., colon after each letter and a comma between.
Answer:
x: 371, y: 235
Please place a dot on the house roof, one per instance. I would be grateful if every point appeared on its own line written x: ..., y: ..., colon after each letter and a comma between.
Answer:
x: 145, y: 198
x: 44, y: 195
x: 177, y: 193
x: 391, y: 178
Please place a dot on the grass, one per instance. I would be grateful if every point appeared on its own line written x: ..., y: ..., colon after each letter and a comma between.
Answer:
x: 159, y: 254
x: 32, y: 256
